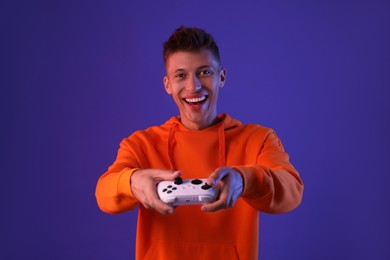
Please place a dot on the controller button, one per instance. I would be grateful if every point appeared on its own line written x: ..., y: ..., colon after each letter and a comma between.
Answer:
x: 169, y: 186
x: 169, y: 192
x: 174, y: 188
x: 178, y: 181
x: 196, y: 181
x: 165, y: 190
x: 206, y: 186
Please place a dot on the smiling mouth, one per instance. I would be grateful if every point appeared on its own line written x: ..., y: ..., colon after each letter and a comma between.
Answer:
x: 196, y: 100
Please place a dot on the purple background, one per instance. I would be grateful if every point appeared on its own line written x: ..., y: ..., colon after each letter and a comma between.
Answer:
x: 78, y: 76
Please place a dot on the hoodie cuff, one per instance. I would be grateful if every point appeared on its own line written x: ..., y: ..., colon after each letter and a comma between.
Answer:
x: 250, y: 177
x: 124, y: 184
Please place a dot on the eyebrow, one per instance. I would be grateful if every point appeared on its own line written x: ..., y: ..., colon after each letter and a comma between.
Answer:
x: 205, y: 67
x: 178, y: 70
x: 199, y: 68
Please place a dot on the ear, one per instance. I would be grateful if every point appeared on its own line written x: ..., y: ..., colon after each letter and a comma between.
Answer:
x: 167, y: 85
x: 222, y: 77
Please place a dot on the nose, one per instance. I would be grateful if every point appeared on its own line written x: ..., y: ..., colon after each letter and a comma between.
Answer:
x: 193, y: 83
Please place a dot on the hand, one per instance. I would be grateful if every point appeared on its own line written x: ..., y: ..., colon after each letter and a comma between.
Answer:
x: 143, y: 185
x: 231, y: 187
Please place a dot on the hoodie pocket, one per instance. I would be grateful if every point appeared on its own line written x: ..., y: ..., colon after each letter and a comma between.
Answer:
x: 177, y: 250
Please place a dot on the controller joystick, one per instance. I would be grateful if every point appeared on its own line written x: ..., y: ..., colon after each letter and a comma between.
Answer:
x: 206, y: 186
x: 178, y: 181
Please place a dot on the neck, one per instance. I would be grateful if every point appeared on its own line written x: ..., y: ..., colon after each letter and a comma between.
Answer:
x: 200, y: 125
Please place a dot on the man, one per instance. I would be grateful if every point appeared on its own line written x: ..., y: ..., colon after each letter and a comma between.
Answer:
x: 246, y: 162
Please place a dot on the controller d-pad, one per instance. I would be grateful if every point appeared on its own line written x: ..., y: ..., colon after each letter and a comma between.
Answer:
x: 169, y: 189
x: 196, y: 182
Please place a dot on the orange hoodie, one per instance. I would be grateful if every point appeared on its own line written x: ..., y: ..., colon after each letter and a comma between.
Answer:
x: 271, y: 184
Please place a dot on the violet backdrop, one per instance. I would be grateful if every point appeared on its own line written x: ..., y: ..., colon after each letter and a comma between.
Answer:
x: 78, y: 76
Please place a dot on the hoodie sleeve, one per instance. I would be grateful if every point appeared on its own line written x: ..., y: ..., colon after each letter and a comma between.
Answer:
x: 113, y: 191
x: 272, y: 185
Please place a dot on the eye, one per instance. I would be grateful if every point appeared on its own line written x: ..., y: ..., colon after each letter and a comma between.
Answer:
x: 180, y: 75
x: 205, y: 72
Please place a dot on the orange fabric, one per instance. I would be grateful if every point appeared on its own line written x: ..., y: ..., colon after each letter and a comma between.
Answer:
x: 271, y: 184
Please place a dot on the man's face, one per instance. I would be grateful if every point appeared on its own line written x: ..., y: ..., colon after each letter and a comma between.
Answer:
x: 194, y: 79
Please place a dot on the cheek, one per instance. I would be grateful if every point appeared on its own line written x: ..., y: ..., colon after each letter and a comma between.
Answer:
x: 215, y: 86
x: 174, y: 92
x: 175, y: 95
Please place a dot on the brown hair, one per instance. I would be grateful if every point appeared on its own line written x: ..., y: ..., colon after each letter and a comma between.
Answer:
x: 190, y: 39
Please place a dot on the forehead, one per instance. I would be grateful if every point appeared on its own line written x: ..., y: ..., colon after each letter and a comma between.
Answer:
x: 190, y: 60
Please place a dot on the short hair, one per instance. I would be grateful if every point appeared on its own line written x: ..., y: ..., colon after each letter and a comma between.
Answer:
x: 190, y: 39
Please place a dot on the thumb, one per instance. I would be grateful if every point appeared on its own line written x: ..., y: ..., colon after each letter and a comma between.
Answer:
x: 216, y: 176
x: 168, y: 175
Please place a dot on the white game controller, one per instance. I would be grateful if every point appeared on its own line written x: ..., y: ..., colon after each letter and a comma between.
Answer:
x: 186, y: 192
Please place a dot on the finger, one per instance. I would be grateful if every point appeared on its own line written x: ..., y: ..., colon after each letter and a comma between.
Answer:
x: 215, y: 206
x: 174, y: 175
x: 162, y: 207
x: 222, y: 203
x: 153, y: 202
x: 216, y: 176
x: 167, y: 175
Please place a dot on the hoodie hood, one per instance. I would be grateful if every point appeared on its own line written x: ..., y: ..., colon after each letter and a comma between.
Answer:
x: 225, y: 122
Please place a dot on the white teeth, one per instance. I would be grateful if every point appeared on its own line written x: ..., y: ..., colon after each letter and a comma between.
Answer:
x: 194, y: 100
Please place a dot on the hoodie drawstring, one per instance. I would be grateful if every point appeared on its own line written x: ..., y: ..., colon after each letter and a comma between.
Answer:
x: 171, y: 144
x: 221, y: 145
